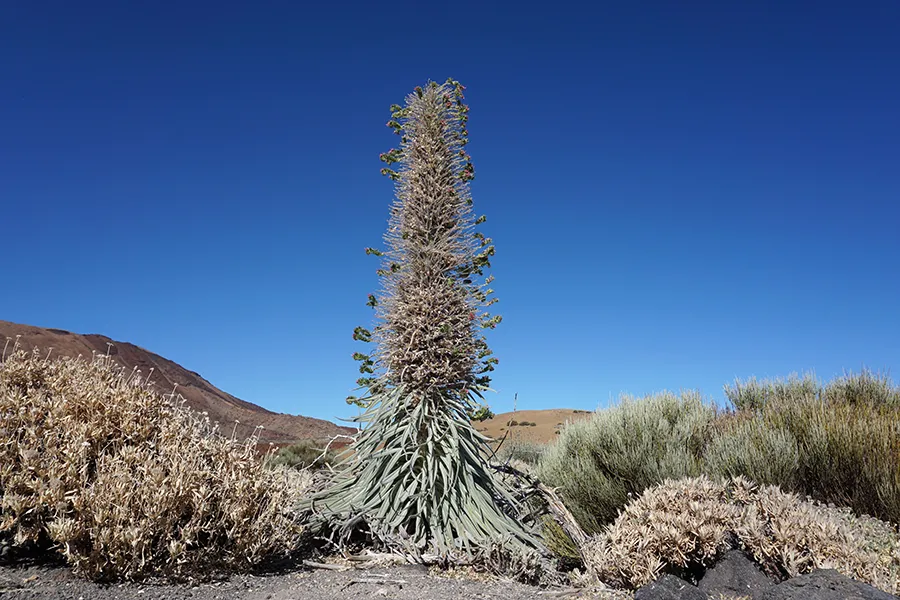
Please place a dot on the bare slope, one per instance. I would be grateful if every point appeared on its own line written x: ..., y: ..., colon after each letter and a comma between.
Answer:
x: 200, y: 394
x: 546, y: 423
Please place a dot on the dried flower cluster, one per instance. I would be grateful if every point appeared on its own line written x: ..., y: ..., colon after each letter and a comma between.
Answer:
x: 433, y: 304
x: 125, y: 483
x: 684, y: 524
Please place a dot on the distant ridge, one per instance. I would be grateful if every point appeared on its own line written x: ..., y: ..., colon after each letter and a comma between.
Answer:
x: 200, y: 395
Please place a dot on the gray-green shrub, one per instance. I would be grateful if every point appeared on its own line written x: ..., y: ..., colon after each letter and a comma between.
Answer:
x: 753, y: 448
x: 600, y: 462
x: 863, y: 388
x: 303, y: 455
x: 837, y: 443
x: 520, y: 450
x: 754, y: 395
x: 840, y: 444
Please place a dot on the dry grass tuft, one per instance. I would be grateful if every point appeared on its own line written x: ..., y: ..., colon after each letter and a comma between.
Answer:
x: 124, y: 483
x: 682, y: 526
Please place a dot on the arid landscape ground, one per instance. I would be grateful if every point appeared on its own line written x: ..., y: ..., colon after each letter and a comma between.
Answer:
x: 55, y: 581
x: 398, y: 582
x: 859, y: 403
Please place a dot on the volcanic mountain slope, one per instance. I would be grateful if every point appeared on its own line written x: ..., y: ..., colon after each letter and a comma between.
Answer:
x: 200, y: 395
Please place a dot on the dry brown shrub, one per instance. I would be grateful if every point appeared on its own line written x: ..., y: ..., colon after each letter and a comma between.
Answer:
x: 124, y: 482
x: 683, y: 526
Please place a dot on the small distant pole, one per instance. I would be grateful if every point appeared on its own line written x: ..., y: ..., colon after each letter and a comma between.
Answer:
x: 515, y: 408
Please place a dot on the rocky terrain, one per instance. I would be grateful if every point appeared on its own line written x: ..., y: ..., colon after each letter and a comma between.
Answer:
x: 734, y: 577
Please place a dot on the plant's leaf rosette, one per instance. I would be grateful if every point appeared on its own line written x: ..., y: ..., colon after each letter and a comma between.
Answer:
x: 417, y: 482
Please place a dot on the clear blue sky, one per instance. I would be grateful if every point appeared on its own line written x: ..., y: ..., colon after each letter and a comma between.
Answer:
x: 680, y: 193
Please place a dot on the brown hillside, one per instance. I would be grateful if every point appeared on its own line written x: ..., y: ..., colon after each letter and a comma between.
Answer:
x: 199, y: 394
x: 547, y: 422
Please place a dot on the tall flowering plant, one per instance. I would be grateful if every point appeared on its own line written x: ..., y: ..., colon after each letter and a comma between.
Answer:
x: 417, y: 477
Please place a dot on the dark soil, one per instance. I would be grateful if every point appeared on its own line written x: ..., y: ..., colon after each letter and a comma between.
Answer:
x: 395, y: 582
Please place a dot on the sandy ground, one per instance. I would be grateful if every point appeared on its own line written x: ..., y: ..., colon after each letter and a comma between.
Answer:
x: 547, y: 423
x: 397, y: 582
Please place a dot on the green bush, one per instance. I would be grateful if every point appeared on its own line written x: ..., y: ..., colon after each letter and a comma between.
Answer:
x: 559, y: 542
x: 600, y: 462
x: 518, y: 450
x: 753, y: 448
x: 482, y: 413
x: 839, y: 444
x: 865, y: 388
x: 754, y: 395
x: 304, y: 455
